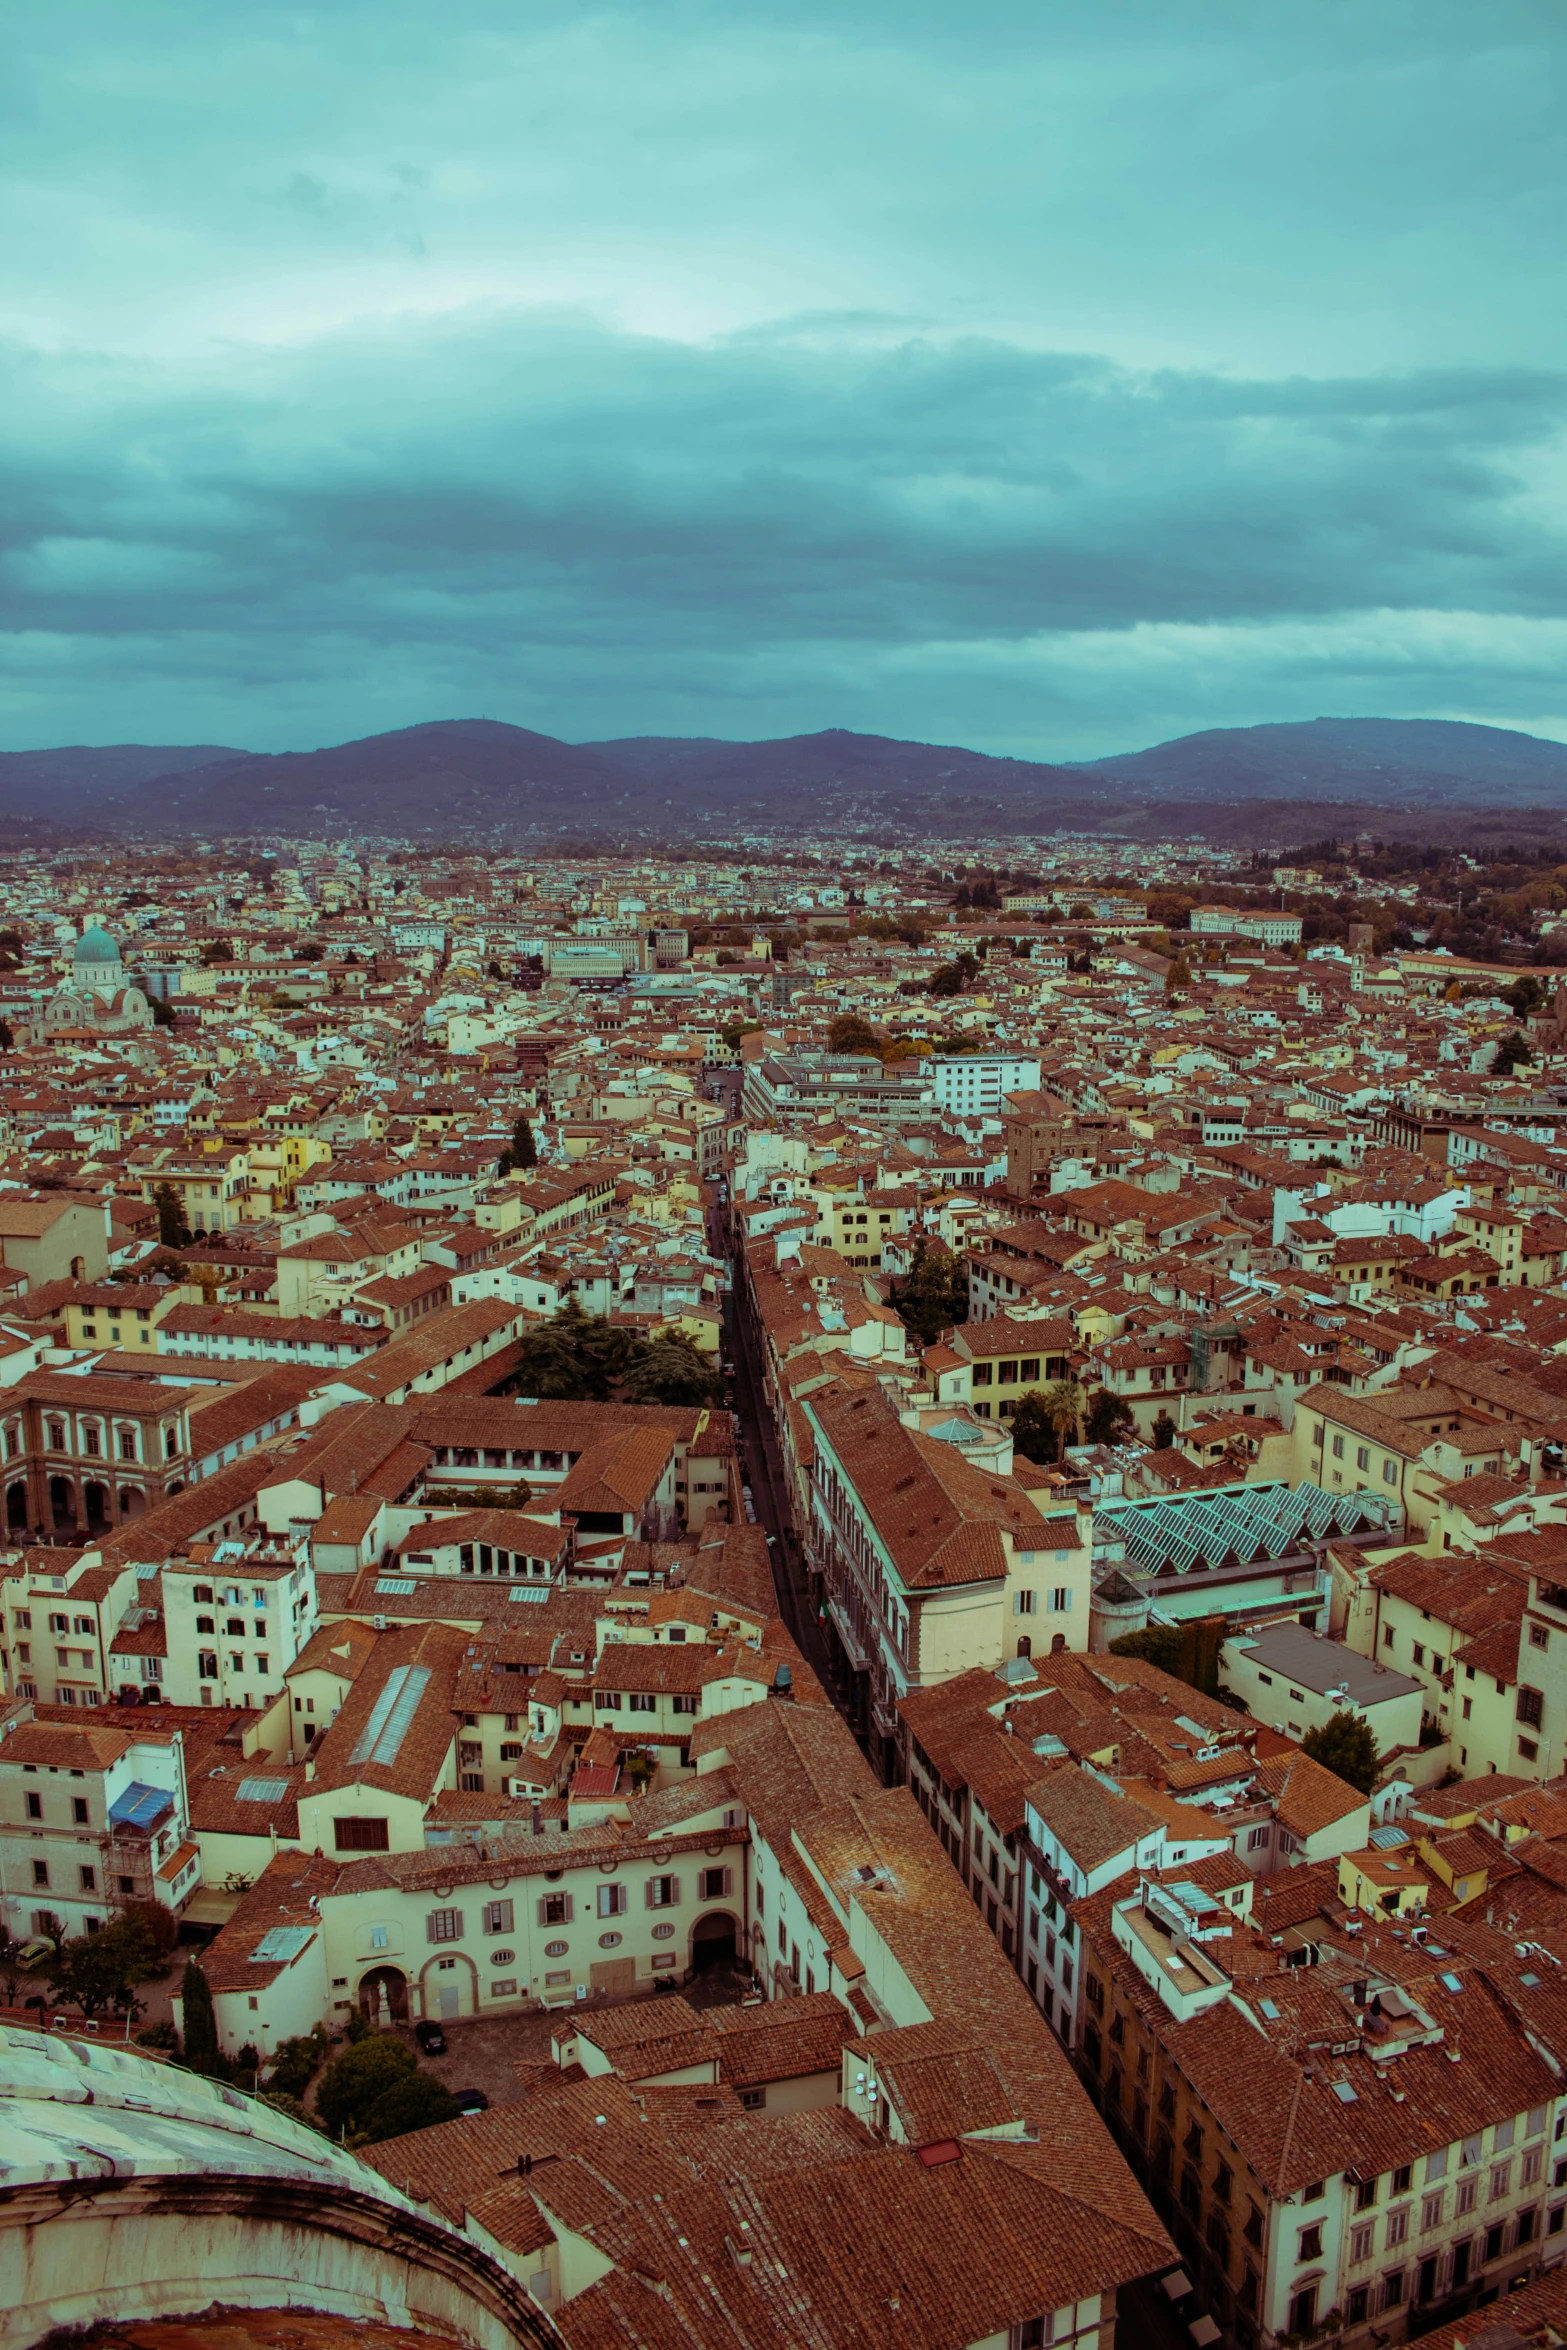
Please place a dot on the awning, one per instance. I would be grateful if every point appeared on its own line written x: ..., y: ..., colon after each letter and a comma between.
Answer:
x: 1203, y: 2332
x: 209, y: 1907
x: 1177, y: 2284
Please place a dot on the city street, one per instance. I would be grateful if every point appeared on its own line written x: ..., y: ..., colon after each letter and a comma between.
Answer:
x: 763, y: 1471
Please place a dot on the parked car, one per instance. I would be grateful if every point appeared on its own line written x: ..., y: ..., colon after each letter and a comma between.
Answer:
x: 431, y: 2039
x: 471, y: 2101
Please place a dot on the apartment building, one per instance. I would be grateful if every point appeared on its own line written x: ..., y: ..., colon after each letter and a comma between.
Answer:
x: 91, y: 1818
x: 927, y: 1566
x: 976, y: 1085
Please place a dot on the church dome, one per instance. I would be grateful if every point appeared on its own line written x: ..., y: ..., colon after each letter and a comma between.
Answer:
x: 95, y: 946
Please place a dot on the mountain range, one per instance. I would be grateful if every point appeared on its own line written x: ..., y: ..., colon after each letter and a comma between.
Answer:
x: 477, y: 777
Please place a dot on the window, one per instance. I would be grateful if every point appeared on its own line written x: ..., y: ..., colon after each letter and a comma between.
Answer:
x: 1464, y: 2199
x: 498, y: 1917
x: 1403, y: 2178
x: 1365, y: 2194
x: 664, y: 1892
x: 1531, y: 1706
x: 206, y: 1665
x: 712, y: 1884
x: 444, y: 1925
x: 1311, y: 2241
x: 1501, y: 2181
x: 1397, y: 2227
x: 41, y: 1873
x: 612, y: 1901
x: 79, y: 1810
x: 1362, y: 1457
x: 360, y: 1835
x: 555, y: 1909
x: 89, y: 1880
x: 1362, y: 2241
x: 1338, y: 1448
x: 35, y: 1807
x: 1539, y: 1637
x: 1061, y: 1600
x: 1022, y: 1603
x: 1431, y: 2213
x: 1393, y: 2289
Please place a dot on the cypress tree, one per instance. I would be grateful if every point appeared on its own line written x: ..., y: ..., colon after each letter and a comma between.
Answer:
x: 202, y: 2053
x: 524, y: 1150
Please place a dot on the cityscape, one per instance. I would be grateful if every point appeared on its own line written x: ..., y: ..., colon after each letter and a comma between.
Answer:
x: 783, y: 1176
x: 900, y: 1522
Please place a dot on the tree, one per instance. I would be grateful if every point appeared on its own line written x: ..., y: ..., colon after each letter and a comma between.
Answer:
x: 933, y: 1294
x: 1163, y: 1431
x: 173, y: 1231
x: 1178, y: 978
x: 575, y: 1357
x: 417, y: 2103
x: 1065, y: 1403
x: 283, y: 2103
x: 1513, y: 1052
x: 1033, y: 1430
x: 218, y: 950
x: 1110, y: 1418
x: 852, y: 1033
x: 7, y: 1036
x: 202, y: 2053
x: 672, y: 1371
x: 354, y: 2081
x: 102, y: 1970
x: 1525, y: 996
x: 524, y: 1150
x: 1347, y: 1747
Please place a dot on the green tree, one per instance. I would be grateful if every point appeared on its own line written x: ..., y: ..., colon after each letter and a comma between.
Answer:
x: 218, y: 950
x: 1512, y: 1053
x: 354, y: 2081
x: 1033, y: 1430
x: 1065, y: 1405
x: 102, y: 1970
x: 7, y: 1036
x: 1110, y: 1419
x: 202, y: 2053
x: 1163, y: 1431
x: 672, y: 1371
x: 933, y: 1295
x: 1347, y: 1747
x: 1178, y: 978
x: 1526, y: 995
x: 417, y: 2103
x: 173, y: 1231
x: 851, y: 1032
x: 524, y: 1150
x: 576, y: 1357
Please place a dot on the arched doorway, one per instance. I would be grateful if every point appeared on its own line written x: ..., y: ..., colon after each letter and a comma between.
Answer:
x: 713, y: 1941
x: 16, y: 1508
x: 133, y: 1502
x: 95, y: 1498
x: 62, y: 1503
x: 1058, y: 1645
x: 391, y: 1981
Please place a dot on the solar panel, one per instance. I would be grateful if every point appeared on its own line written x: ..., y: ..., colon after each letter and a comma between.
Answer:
x: 530, y: 1591
x: 282, y: 1942
x: 399, y: 1585
x: 261, y: 1791
x: 144, y: 1574
x: 382, y: 1736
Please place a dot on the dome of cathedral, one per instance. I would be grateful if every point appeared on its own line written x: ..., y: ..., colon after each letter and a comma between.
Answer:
x: 95, y: 946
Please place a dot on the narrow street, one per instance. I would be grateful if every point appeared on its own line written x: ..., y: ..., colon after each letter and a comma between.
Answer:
x: 763, y: 1471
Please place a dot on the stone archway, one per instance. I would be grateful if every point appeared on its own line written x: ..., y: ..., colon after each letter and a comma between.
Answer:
x: 715, y: 1941
x: 16, y: 1507
x: 62, y: 1504
x: 452, y: 1991
x: 95, y: 1501
x: 391, y: 1982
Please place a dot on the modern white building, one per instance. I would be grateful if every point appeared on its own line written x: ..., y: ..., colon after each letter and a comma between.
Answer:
x: 977, y: 1082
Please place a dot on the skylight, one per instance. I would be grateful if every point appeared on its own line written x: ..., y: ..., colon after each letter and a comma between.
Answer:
x: 380, y: 1741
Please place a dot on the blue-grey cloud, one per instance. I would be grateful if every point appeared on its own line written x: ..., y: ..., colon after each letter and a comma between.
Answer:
x: 1073, y: 375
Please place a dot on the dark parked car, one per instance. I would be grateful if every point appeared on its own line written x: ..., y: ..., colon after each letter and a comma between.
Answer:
x: 471, y: 2101
x: 431, y: 2039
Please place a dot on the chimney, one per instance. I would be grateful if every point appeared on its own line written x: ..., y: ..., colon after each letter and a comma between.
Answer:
x: 538, y: 1821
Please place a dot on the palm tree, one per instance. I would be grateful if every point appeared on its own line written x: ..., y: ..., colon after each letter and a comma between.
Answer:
x: 1064, y: 1406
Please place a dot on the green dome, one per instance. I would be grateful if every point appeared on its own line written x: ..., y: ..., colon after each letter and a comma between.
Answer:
x: 95, y: 946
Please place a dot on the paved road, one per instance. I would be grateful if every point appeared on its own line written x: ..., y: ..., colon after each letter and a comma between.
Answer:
x: 764, y: 1473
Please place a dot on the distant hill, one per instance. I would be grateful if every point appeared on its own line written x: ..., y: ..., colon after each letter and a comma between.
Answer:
x: 76, y: 781
x: 1387, y: 760
x: 479, y: 777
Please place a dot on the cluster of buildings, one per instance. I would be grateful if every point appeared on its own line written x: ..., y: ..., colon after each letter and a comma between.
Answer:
x: 1122, y: 1374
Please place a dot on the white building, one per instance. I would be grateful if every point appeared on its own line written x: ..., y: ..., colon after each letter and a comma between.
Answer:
x: 975, y: 1083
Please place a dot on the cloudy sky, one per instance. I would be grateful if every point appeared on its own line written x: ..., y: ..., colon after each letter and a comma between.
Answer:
x: 1047, y: 375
